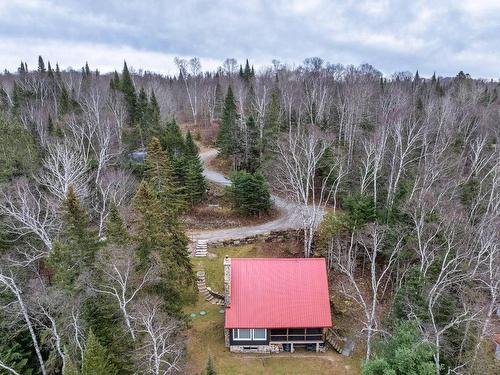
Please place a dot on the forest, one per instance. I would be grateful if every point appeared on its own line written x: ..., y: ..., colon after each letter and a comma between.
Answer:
x: 398, y: 177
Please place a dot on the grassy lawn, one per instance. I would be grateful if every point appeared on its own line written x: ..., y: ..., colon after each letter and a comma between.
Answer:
x: 206, y: 335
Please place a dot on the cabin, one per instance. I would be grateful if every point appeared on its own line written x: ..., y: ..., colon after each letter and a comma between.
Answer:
x: 275, y: 304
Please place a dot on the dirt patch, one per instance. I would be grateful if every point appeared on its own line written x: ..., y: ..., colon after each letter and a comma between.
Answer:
x: 205, y: 134
x: 216, y: 213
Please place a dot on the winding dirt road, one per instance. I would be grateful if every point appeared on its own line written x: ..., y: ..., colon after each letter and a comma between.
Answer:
x: 290, y: 218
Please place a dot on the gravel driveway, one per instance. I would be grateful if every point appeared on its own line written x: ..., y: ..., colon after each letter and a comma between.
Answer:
x: 290, y: 218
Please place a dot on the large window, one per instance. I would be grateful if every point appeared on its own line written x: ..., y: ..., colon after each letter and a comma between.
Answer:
x: 259, y: 334
x: 246, y: 334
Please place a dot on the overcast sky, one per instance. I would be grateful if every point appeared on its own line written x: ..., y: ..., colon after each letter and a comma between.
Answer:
x: 439, y: 35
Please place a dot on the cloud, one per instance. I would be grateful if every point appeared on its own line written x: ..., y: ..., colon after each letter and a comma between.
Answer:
x: 393, y: 35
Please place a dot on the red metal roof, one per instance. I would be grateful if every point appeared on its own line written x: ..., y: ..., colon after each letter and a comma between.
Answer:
x: 278, y: 293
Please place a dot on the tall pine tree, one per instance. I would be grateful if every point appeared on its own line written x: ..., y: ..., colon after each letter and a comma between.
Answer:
x: 228, y: 137
x: 96, y: 359
x: 128, y: 89
x: 160, y: 175
x: 76, y: 249
x: 196, y: 185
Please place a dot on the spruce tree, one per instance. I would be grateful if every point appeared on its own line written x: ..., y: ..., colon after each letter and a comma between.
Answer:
x: 172, y: 140
x: 252, y: 155
x: 41, y: 65
x: 151, y: 234
x: 159, y: 172
x: 155, y: 116
x: 219, y: 100
x: 96, y: 359
x: 114, y: 82
x: 161, y: 238
x: 247, y: 73
x: 4, y: 100
x: 228, y: 136
x: 210, y: 369
x: 141, y: 113
x: 272, y: 121
x: 50, y: 72
x: 195, y: 183
x: 248, y: 193
x: 21, y: 69
x: 191, y: 150
x: 75, y: 251
x: 64, y: 101
x: 58, y: 72
x: 128, y: 89
x: 116, y: 233
x: 70, y: 368
x: 416, y: 79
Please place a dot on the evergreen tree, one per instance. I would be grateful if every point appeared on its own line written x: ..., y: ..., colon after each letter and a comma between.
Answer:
x: 50, y: 72
x: 404, y: 354
x: 141, y: 113
x: 115, y: 229
x: 70, y: 368
x: 172, y: 140
x: 87, y: 70
x: 247, y: 73
x: 160, y: 233
x: 96, y: 359
x: 21, y: 70
x: 64, y: 101
x: 128, y: 89
x: 210, y: 369
x: 58, y: 72
x: 219, y: 100
x: 195, y: 183
x: 102, y: 317
x: 41, y: 65
x: 114, y: 83
x: 75, y: 252
x: 18, y: 99
x: 4, y: 100
x: 249, y: 193
x: 159, y: 172
x: 416, y: 79
x: 155, y: 116
x: 50, y: 126
x: 272, y: 121
x: 252, y: 155
x: 228, y: 137
x: 191, y: 150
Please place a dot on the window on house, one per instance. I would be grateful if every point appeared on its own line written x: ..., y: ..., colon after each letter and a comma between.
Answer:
x: 260, y: 334
x: 242, y: 334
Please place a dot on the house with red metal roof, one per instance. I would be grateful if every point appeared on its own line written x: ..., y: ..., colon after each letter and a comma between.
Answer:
x: 275, y: 304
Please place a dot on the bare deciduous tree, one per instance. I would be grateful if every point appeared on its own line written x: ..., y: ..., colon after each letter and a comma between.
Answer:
x: 347, y: 261
x: 298, y: 160
x: 161, y: 349
x: 30, y: 211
